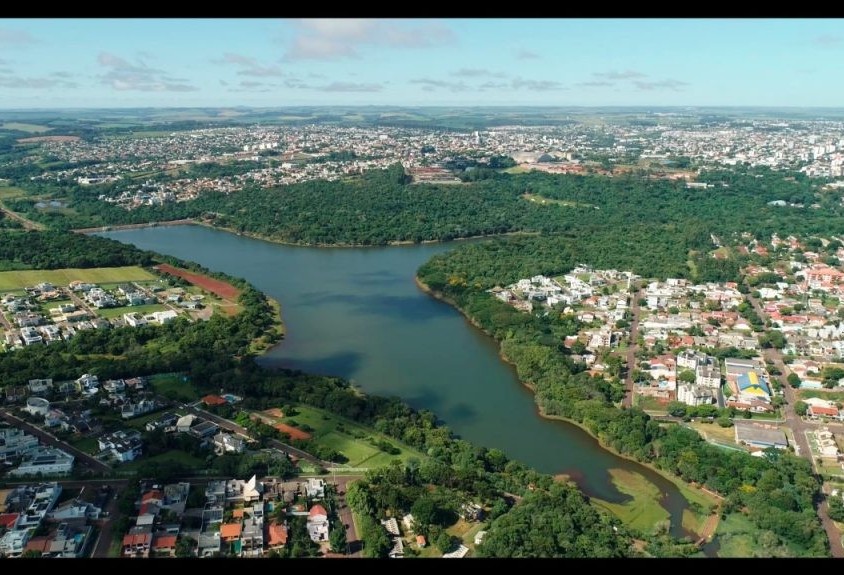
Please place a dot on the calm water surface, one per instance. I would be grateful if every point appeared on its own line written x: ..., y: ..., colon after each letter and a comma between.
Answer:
x: 356, y: 313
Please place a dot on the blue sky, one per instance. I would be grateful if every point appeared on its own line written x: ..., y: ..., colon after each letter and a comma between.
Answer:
x: 49, y: 63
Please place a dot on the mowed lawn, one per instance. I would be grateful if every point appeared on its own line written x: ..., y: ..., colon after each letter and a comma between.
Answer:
x: 350, y: 439
x: 112, y: 312
x: 24, y: 278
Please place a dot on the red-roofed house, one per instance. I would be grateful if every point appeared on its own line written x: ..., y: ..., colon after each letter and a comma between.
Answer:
x: 40, y: 544
x: 164, y: 545
x: 230, y: 532
x: 152, y: 496
x: 136, y: 543
x: 9, y: 520
x: 278, y: 536
x: 213, y: 400
x: 420, y: 540
x: 318, y: 524
x: 816, y: 410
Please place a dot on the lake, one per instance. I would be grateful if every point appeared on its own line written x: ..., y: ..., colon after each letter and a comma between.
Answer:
x: 357, y: 313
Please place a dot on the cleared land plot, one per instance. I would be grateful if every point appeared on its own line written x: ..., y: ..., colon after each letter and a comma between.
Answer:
x: 10, y: 192
x: 173, y: 386
x: 537, y: 199
x: 293, y: 432
x: 349, y: 438
x: 823, y: 394
x: 38, y: 139
x: 714, y: 432
x: 175, y: 456
x: 215, y: 286
x: 23, y: 278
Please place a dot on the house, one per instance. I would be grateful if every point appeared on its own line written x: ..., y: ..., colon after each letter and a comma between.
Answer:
x: 392, y: 526
x: 277, y: 536
x: 246, y: 491
x: 164, y: 545
x: 820, y: 407
x: 13, y: 543
x: 693, y: 394
x: 130, y: 410
x: 318, y: 524
x: 44, y: 461
x: 471, y: 512
x: 212, y: 399
x: 227, y: 443
x: 15, y: 442
x: 39, y: 386
x: 315, y: 488
x: 420, y: 540
x: 204, y: 429
x: 459, y: 553
x: 164, y: 422
x: 183, y: 424
x: 137, y: 542
x: 230, y: 532
x: 252, y: 534
x: 122, y: 445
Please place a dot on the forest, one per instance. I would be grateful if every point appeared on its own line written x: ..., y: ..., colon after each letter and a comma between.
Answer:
x: 380, y: 207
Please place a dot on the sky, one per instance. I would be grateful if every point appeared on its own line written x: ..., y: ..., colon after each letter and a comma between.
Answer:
x: 113, y: 63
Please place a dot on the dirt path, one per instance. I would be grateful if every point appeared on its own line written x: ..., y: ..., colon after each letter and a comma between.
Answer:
x: 27, y: 223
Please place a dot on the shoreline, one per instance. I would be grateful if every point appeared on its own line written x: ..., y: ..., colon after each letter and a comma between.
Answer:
x: 674, y: 480
x: 273, y: 240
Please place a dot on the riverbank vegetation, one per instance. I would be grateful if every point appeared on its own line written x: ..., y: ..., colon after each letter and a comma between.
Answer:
x: 776, y: 492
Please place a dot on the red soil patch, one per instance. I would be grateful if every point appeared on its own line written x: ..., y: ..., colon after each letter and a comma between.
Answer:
x: 275, y: 412
x: 293, y: 432
x: 217, y: 287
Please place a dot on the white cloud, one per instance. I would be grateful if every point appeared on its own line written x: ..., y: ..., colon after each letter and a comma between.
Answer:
x: 124, y: 76
x: 331, y: 38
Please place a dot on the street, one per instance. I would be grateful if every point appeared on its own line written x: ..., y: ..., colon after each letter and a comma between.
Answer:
x: 631, y: 350
x: 799, y: 427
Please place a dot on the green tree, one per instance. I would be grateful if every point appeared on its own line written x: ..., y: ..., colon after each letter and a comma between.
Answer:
x: 801, y: 408
x: 793, y: 380
x: 687, y: 376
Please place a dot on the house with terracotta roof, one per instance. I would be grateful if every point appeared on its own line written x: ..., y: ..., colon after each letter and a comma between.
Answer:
x: 137, y: 542
x: 230, y: 532
x: 164, y: 545
x: 277, y: 536
x: 212, y: 399
x: 318, y: 524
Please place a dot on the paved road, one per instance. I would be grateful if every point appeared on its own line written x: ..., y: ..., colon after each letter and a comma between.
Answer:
x: 82, y: 458
x: 799, y: 427
x: 632, y: 349
x: 107, y: 525
x: 353, y: 543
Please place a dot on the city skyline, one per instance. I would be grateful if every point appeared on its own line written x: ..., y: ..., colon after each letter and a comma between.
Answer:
x: 104, y: 63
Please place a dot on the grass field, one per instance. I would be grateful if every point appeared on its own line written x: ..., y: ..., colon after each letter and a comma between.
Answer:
x: 28, y: 128
x: 643, y: 512
x: 172, y: 386
x: 175, y: 455
x: 714, y: 431
x: 86, y: 444
x: 823, y: 394
x: 350, y: 439
x: 18, y: 279
x: 10, y: 192
x: 649, y: 403
x: 113, y: 312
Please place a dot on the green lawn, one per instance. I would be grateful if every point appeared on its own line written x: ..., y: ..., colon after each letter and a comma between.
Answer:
x: 113, y: 312
x: 86, y: 444
x: 11, y: 192
x: 643, y: 512
x: 175, y: 455
x: 23, y: 278
x: 822, y: 393
x: 172, y: 386
x: 360, y: 452
x: 23, y: 127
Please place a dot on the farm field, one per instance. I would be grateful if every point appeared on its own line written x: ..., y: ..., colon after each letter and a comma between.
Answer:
x: 22, y: 278
x: 218, y: 287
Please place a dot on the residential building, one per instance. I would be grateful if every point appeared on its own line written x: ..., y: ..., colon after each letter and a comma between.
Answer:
x: 44, y: 461
x: 122, y: 445
x: 318, y: 524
